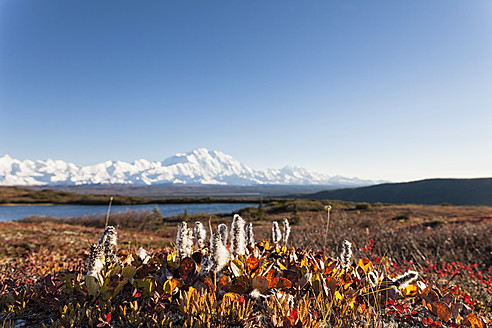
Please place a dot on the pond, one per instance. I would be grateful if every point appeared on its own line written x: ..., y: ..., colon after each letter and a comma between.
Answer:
x: 11, y: 213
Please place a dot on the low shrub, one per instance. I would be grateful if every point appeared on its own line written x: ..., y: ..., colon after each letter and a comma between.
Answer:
x: 362, y: 206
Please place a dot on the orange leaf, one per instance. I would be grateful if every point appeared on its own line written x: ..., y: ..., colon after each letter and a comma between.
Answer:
x: 210, y: 285
x: 187, y: 268
x: 473, y: 321
x: 273, y: 283
x: 441, y: 310
x: 271, y: 275
x: 427, y: 321
x: 283, y: 283
x: 252, y: 263
x: 224, y: 281
x: 314, y: 265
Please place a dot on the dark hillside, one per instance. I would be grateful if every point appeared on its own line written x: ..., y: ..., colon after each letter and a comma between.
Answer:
x: 431, y: 191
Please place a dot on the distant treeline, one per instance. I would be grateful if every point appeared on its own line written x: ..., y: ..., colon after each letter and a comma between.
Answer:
x: 21, y: 195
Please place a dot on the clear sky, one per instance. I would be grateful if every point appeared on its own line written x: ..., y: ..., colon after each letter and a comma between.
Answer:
x: 394, y: 90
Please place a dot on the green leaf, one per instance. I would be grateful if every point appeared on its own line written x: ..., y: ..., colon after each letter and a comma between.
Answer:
x: 129, y: 272
x: 317, y: 284
x: 92, y: 285
x: 105, y: 286
x: 116, y: 269
x: 119, y: 287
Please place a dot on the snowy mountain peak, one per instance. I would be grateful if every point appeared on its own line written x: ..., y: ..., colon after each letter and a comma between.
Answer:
x: 200, y: 166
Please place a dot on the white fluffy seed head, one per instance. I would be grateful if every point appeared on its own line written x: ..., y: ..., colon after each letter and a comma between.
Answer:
x: 346, y: 255
x: 104, y: 252
x: 219, y: 254
x: 250, y: 236
x: 205, y: 266
x: 95, y: 264
x: 183, y: 241
x: 285, y: 238
x: 238, y: 236
x: 276, y: 233
x: 108, y: 239
x: 189, y: 242
x: 222, y: 228
x: 201, y: 235
x: 406, y: 279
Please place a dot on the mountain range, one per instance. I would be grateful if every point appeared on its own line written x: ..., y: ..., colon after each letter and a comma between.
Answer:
x: 198, y: 167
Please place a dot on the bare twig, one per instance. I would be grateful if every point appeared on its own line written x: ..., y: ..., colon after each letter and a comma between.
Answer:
x: 328, y: 209
x: 109, y: 209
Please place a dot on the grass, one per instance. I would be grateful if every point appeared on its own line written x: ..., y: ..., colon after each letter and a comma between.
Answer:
x: 448, y: 246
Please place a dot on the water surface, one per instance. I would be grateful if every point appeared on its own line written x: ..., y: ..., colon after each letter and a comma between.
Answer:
x: 10, y: 213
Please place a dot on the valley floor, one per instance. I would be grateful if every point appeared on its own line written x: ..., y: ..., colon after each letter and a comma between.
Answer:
x: 449, y: 246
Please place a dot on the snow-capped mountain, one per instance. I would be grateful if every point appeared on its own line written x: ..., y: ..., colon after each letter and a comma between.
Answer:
x: 201, y: 166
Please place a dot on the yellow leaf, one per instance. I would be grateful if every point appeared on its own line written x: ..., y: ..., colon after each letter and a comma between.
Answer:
x: 366, y: 265
x: 338, y: 295
x: 410, y: 290
x: 352, y: 303
x: 231, y: 296
x: 170, y: 286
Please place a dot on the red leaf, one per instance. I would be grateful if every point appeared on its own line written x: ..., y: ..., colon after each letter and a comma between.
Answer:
x: 108, y: 317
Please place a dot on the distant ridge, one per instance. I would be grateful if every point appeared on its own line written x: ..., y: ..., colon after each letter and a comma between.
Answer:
x: 198, y: 167
x: 429, y: 191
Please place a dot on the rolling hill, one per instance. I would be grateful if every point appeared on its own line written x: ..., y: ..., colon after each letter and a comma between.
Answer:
x: 430, y: 191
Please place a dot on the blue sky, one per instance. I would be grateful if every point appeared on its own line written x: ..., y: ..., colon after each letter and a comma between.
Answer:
x: 394, y: 90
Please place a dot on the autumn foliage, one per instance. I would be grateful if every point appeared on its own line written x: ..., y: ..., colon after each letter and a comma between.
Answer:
x: 271, y: 285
